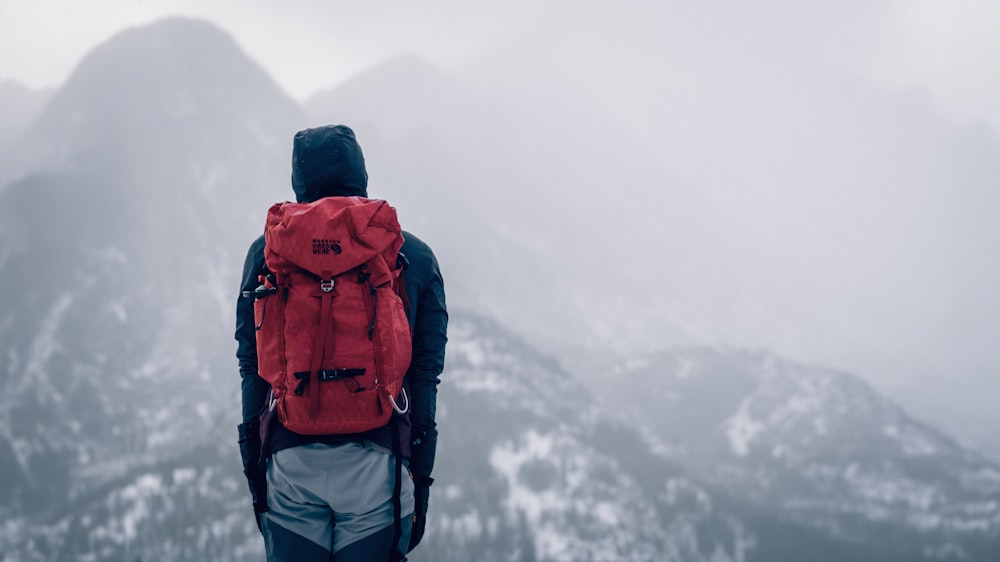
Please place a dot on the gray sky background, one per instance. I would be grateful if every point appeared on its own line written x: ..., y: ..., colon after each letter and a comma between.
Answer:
x: 308, y: 45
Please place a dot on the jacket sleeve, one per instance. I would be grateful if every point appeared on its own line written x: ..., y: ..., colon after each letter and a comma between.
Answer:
x: 430, y: 329
x: 254, y: 388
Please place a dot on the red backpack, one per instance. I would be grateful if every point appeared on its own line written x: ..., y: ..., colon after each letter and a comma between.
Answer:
x: 333, y: 338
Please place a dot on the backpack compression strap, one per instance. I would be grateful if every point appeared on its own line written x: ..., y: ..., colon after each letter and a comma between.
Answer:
x: 319, y: 345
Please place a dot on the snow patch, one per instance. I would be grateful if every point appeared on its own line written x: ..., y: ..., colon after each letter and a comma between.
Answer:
x: 36, y: 377
x: 507, y: 459
x: 559, y: 487
x: 741, y: 429
x: 985, y: 480
x: 474, y: 367
x: 676, y: 488
x: 45, y: 344
x: 184, y: 475
x: 452, y: 492
x: 606, y: 513
x: 912, y: 442
x: 488, y: 381
x: 472, y: 351
x: 469, y: 525
x: 796, y: 406
x: 885, y: 491
x: 138, y: 493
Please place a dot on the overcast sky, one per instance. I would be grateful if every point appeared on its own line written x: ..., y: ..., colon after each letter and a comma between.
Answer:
x: 306, y: 45
x: 950, y: 47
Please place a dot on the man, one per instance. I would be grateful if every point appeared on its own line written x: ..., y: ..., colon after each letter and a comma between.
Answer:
x: 330, y: 497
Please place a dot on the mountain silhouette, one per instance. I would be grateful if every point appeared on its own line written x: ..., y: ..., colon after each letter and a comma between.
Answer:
x: 121, y: 241
x: 165, y: 96
x: 517, y: 181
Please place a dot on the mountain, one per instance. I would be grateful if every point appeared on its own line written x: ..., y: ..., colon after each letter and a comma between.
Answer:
x: 517, y: 178
x: 121, y: 242
x: 702, y: 185
x: 530, y: 468
x: 154, y: 87
x: 534, y: 468
x: 820, y: 443
x: 19, y: 105
x: 853, y: 219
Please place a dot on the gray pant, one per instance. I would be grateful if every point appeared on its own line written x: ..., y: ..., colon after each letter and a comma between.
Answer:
x: 333, y: 503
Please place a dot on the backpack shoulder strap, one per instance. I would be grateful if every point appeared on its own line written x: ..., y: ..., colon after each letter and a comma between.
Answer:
x: 402, y: 263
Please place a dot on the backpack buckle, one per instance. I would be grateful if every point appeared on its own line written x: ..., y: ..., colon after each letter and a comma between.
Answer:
x: 327, y: 286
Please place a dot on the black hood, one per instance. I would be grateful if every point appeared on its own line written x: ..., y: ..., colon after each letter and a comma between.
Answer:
x: 327, y: 161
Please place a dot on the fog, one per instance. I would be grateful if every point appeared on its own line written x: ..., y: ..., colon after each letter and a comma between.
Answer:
x: 749, y: 103
x: 819, y: 129
x: 804, y: 179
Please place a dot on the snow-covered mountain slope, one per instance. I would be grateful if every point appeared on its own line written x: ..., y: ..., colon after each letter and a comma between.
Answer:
x: 528, y: 469
x: 120, y: 249
x: 820, y: 443
x: 527, y: 453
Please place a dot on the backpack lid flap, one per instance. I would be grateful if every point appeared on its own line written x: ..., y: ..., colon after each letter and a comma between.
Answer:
x: 333, y: 234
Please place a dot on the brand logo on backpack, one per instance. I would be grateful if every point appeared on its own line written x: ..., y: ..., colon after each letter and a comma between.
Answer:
x: 326, y: 247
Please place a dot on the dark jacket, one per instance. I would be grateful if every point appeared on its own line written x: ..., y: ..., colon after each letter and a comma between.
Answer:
x: 327, y: 162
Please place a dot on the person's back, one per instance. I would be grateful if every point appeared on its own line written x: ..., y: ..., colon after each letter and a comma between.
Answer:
x: 331, y: 496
